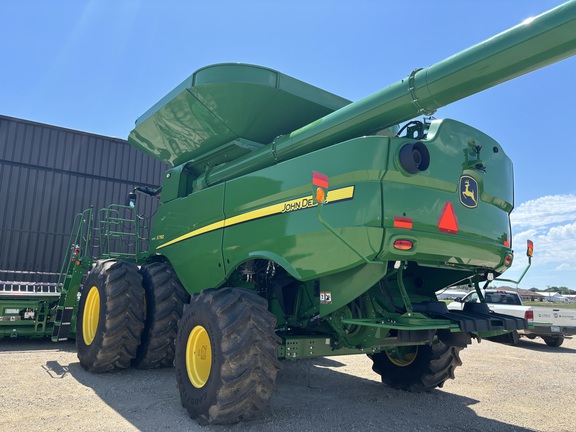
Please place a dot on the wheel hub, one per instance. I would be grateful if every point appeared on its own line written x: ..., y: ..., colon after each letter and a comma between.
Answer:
x: 198, y: 356
x: 91, y: 315
x: 403, y: 356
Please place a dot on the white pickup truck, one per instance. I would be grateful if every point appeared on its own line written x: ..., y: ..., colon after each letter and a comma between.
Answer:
x: 550, y: 323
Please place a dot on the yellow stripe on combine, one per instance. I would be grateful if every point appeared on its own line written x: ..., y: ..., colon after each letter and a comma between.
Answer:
x: 212, y: 227
x: 283, y: 207
x: 340, y: 194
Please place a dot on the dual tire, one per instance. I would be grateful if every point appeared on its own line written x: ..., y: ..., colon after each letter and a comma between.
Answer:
x: 165, y: 300
x: 222, y: 344
x: 129, y: 317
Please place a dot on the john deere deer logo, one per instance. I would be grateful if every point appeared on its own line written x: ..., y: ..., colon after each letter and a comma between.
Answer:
x: 468, y: 192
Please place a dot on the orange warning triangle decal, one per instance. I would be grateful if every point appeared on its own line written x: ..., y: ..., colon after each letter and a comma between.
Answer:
x: 448, y: 222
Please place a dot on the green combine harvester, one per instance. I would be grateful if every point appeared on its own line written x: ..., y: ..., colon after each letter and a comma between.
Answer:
x: 295, y: 224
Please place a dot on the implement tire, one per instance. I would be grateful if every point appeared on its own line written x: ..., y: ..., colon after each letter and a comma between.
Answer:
x: 226, y: 361
x: 553, y: 341
x: 422, y: 368
x: 110, y: 316
x: 165, y: 299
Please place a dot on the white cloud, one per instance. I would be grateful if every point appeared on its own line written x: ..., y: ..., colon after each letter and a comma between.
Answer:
x: 552, y: 244
x: 550, y: 222
x: 548, y: 210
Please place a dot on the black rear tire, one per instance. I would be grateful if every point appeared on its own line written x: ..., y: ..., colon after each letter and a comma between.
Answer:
x: 423, y: 368
x: 110, y: 316
x: 553, y: 341
x: 165, y: 299
x: 226, y: 361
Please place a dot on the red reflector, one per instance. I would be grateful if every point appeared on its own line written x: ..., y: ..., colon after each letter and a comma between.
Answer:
x: 403, y: 244
x: 529, y: 315
x: 402, y: 222
x: 320, y: 180
x: 447, y: 222
x: 508, y: 260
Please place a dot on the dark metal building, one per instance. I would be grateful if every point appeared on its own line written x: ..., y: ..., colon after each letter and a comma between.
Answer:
x: 47, y: 175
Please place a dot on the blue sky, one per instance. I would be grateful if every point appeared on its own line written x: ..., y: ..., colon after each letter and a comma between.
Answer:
x: 96, y: 66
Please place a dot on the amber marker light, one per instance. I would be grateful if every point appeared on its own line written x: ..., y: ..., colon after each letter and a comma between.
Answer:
x: 402, y: 222
x: 529, y: 248
x: 403, y: 245
x: 321, y: 181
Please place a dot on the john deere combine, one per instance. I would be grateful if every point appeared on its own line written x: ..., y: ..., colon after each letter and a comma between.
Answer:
x: 295, y: 224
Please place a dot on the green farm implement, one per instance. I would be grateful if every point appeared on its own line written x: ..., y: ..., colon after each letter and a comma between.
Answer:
x: 295, y: 224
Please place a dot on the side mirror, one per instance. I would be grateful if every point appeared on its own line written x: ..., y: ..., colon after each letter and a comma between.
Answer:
x: 458, y: 299
x: 131, y: 201
x: 529, y: 248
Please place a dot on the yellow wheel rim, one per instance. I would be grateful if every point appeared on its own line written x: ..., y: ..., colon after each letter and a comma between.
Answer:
x: 91, y: 315
x: 198, y: 356
x: 403, y: 357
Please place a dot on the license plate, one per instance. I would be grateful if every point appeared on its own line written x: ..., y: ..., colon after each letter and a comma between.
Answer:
x: 555, y: 329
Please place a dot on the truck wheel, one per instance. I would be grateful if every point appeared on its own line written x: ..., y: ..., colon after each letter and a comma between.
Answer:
x: 417, y: 368
x: 553, y: 341
x: 110, y: 316
x: 226, y: 361
x: 165, y: 299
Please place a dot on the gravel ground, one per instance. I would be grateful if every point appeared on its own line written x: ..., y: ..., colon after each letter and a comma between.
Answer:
x: 530, y: 387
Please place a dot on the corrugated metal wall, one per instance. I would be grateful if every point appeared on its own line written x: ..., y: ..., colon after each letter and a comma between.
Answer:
x: 47, y: 175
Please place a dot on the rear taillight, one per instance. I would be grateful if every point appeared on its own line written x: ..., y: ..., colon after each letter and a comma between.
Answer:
x: 529, y: 315
x: 403, y: 245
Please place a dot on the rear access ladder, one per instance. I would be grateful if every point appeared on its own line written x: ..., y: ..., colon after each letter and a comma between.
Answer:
x: 118, y: 234
x: 76, y: 262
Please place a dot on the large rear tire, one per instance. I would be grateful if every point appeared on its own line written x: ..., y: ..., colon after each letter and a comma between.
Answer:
x: 417, y: 368
x: 110, y: 316
x: 226, y: 361
x: 165, y: 299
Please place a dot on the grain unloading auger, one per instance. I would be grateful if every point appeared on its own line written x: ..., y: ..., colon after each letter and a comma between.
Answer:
x: 296, y: 224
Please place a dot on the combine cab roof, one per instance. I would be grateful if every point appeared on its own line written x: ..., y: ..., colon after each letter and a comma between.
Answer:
x: 223, y: 111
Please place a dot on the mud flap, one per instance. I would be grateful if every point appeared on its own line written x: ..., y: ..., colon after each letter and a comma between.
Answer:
x: 459, y: 339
